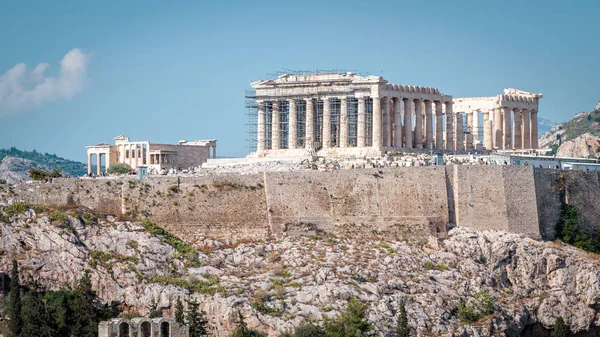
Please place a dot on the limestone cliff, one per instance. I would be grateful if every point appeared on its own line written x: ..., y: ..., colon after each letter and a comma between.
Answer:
x: 579, y: 137
x: 278, y: 282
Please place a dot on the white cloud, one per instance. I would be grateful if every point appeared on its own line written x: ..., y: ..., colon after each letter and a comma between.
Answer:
x: 22, y: 90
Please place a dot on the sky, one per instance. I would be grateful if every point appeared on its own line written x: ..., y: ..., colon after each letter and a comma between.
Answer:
x: 77, y: 73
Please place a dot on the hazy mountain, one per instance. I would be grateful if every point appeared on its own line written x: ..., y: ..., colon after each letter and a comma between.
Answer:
x: 15, y: 164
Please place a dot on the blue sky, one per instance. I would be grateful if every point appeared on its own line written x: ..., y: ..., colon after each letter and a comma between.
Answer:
x: 165, y: 71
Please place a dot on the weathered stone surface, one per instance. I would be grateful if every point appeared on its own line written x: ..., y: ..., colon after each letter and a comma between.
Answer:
x: 311, y: 278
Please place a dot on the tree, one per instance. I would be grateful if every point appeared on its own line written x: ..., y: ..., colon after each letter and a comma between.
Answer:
x: 402, y: 329
x: 153, y: 310
x: 36, y: 321
x: 120, y: 168
x: 195, y: 319
x: 243, y: 331
x: 15, y: 323
x: 179, y: 313
x: 560, y: 328
x: 57, y: 305
x: 85, y: 314
x: 350, y: 323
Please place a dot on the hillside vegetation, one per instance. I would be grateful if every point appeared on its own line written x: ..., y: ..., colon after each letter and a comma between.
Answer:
x: 15, y: 164
x: 578, y: 137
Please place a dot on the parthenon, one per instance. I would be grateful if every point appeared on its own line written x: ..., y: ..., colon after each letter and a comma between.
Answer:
x: 348, y: 114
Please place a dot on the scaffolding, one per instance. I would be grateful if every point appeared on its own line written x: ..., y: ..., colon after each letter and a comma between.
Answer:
x: 284, y: 111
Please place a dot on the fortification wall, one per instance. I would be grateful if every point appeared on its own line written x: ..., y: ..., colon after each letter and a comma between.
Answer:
x: 409, y: 203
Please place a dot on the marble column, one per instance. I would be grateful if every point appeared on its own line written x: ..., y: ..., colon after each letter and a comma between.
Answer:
x: 385, y: 116
x: 326, y: 139
x: 377, y: 136
x: 292, y: 126
x: 526, y: 132
x: 408, y: 132
x: 517, y: 130
x: 397, y: 136
x: 99, y: 164
x: 439, y: 126
x: 343, y: 140
x: 260, y: 141
x: 418, y: 123
x: 487, y: 130
x: 361, y: 128
x: 458, y: 132
x: 506, y: 128
x: 308, y: 137
x: 89, y: 155
x: 428, y: 125
x: 475, y: 132
x: 275, y: 121
x: 498, y: 129
x: 534, y: 129
x: 449, y: 127
x: 469, y: 136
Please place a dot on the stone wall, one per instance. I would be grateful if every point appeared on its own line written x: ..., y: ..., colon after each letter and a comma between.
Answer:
x: 409, y: 203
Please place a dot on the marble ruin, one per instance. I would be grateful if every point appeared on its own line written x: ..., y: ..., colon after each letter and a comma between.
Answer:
x: 347, y: 114
x: 142, y: 327
x: 154, y: 156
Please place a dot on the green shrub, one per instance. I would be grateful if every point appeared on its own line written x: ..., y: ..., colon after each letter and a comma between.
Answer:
x: 17, y: 208
x: 482, y: 305
x: 569, y: 231
x: 352, y: 322
x: 36, y: 174
x: 205, y: 287
x: 120, y: 168
x: 59, y: 218
x: 306, y: 330
x: 88, y: 218
x: 428, y: 265
x: 38, y: 209
x: 185, y: 250
x: 560, y: 328
x: 174, y: 188
x: 133, y: 244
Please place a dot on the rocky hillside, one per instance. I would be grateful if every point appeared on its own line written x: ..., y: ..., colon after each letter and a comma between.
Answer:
x: 15, y: 164
x: 579, y: 137
x: 471, y: 284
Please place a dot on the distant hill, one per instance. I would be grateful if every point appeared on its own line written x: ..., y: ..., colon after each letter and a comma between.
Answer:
x: 579, y: 137
x: 15, y: 164
x: 544, y: 125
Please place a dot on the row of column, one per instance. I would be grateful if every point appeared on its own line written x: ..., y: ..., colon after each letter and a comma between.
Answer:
x: 98, y: 162
x: 387, y: 127
x: 499, y: 131
x: 157, y: 159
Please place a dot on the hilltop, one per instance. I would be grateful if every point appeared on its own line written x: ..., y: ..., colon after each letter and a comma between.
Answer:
x: 15, y: 164
x: 579, y: 137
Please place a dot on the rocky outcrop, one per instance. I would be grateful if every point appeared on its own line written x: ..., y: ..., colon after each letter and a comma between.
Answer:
x: 280, y: 282
x: 14, y: 170
x: 582, y: 147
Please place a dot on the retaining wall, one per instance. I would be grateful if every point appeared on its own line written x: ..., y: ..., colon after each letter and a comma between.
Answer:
x: 409, y: 203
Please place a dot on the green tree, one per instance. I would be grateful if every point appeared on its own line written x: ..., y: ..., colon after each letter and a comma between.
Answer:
x: 560, y: 328
x: 402, y: 329
x: 154, y: 310
x: 243, y: 331
x: 179, y: 313
x: 15, y: 323
x: 85, y: 314
x: 36, y: 321
x: 195, y: 319
x: 120, y: 168
x: 58, y: 306
x: 350, y: 323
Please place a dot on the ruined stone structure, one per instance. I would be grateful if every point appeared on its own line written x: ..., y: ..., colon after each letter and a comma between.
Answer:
x: 155, y: 156
x: 410, y: 203
x: 347, y: 114
x: 142, y: 327
x: 507, y: 121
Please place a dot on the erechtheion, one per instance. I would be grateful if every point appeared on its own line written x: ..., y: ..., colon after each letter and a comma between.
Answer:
x: 348, y: 114
x: 184, y: 154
